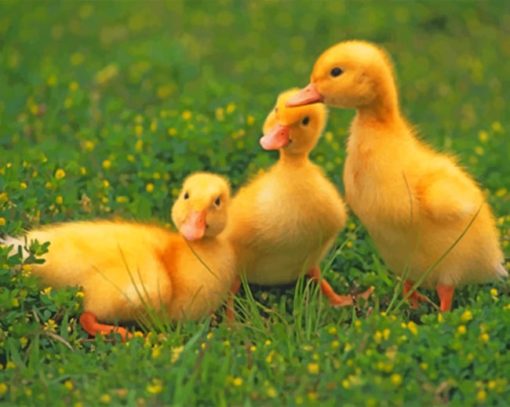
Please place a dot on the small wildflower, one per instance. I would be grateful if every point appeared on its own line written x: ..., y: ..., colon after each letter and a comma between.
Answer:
x: 69, y: 385
x: 172, y: 132
x: 313, y: 368
x: 15, y: 303
x: 483, y: 136
x: 154, y: 126
x: 139, y: 145
x: 106, y: 74
x: 231, y: 107
x: 59, y: 200
x: 3, y: 389
x: 484, y: 337
x: 461, y: 329
x: 267, y: 342
x: 238, y: 382
x: 335, y: 344
x: 155, y: 387
x: 440, y: 318
x: 219, y: 113
x: 107, y: 164
x: 466, y: 316
x: 312, y: 395
x: 10, y: 365
x: 494, y: 292
x: 396, y: 379
x: 2, y: 221
x: 80, y: 294
x: 52, y: 80
x: 332, y: 330
x: 23, y: 185
x: 481, y: 396
x: 149, y: 187
x: 138, y: 130
x: 73, y: 86
x: 47, y: 291
x: 89, y: 145
x: 501, y: 192
x: 50, y: 325
x: 357, y: 323
x: 250, y: 120
x: 176, y: 353
x: 156, y: 352
x: 60, y: 173
x: 105, y: 399
x: 23, y: 341
x: 186, y: 115
x: 106, y: 184
x: 271, y: 392
x: 122, y: 199
x: 77, y: 58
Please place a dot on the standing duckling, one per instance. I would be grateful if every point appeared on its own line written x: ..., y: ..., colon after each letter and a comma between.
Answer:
x: 124, y: 267
x: 414, y: 202
x: 285, y: 221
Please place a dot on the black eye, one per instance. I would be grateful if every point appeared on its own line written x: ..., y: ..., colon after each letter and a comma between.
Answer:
x: 217, y: 202
x: 305, y: 121
x: 276, y: 110
x: 186, y: 195
x: 336, y: 72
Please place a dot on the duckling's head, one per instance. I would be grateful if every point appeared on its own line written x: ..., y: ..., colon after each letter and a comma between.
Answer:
x: 202, y: 206
x: 294, y: 130
x: 351, y: 74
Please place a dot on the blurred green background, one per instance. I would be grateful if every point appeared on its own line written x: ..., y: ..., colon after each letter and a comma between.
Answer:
x: 106, y: 106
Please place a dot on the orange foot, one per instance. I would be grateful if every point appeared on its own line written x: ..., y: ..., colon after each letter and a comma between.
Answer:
x: 336, y: 300
x: 89, y: 323
x: 445, y: 293
x: 415, y: 297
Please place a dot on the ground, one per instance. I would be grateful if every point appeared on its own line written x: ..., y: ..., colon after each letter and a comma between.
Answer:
x: 106, y: 106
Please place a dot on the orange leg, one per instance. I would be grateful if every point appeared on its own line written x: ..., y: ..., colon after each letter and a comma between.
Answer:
x: 336, y: 300
x: 89, y: 323
x: 415, y: 298
x: 445, y: 293
x: 234, y: 289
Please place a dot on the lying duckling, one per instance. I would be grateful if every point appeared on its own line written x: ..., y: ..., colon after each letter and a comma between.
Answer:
x: 124, y: 267
x: 414, y: 202
x: 285, y: 221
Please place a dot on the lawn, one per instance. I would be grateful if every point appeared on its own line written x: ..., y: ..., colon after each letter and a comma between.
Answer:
x: 106, y: 106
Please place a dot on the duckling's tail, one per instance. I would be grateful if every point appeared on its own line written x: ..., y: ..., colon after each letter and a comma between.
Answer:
x: 15, y: 243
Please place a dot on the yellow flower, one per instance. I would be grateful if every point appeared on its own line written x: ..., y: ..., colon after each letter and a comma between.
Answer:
x: 155, y: 387
x: 396, y: 379
x: 69, y: 385
x: 156, y: 352
x: 440, y: 318
x: 10, y: 365
x: 313, y: 368
x: 466, y: 316
x: 105, y: 399
x: 2, y: 221
x: 332, y: 330
x: 186, y: 115
x: 494, y: 292
x: 50, y: 326
x: 89, y: 145
x: 46, y: 291
x: 484, y: 337
x: 4, y: 196
x: 23, y: 341
x: 52, y: 80
x: 219, y: 113
x: 106, y: 74
x: 80, y: 294
x: 107, y: 164
x: 60, y: 173
x: 74, y: 86
x: 312, y: 395
x: 231, y: 107
x: 121, y: 199
x: 335, y: 344
x: 176, y: 353
x: 59, y: 199
x: 23, y: 185
x: 139, y: 145
x: 3, y: 389
x: 462, y: 329
x: 497, y: 127
x: 154, y: 126
x: 138, y: 130
x: 501, y: 192
x: 172, y: 132
x: 149, y: 187
x: 237, y: 382
x: 250, y: 120
x: 106, y: 184
x: 481, y: 396
x: 271, y: 392
x: 483, y: 136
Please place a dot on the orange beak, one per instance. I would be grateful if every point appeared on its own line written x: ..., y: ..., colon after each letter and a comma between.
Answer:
x: 194, y: 226
x: 305, y: 96
x: 278, y: 137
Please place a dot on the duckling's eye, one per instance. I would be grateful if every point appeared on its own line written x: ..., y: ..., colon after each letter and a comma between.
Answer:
x: 305, y: 121
x: 217, y: 202
x: 186, y: 195
x: 276, y: 110
x: 336, y: 71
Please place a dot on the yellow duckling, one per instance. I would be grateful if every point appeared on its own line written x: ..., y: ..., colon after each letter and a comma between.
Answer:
x: 286, y: 219
x: 125, y: 266
x: 414, y: 202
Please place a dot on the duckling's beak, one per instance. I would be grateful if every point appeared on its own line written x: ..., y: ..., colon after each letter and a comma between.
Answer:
x: 305, y: 96
x: 194, y: 226
x: 276, y: 138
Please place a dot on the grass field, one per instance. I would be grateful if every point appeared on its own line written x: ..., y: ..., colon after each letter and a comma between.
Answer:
x: 106, y: 106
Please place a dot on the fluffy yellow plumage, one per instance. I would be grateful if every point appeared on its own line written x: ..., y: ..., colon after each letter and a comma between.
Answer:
x: 414, y: 202
x: 286, y: 219
x: 124, y: 266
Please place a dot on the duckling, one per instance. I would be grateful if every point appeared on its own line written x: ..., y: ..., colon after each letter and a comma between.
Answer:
x: 286, y: 219
x: 123, y: 267
x: 415, y: 202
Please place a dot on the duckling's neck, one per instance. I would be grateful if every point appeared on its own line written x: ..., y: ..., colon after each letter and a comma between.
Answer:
x: 385, y: 107
x: 287, y: 159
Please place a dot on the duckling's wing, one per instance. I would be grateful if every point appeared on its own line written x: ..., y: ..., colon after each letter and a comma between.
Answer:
x: 449, y: 197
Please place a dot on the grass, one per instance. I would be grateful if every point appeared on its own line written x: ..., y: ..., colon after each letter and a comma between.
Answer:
x: 106, y: 107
